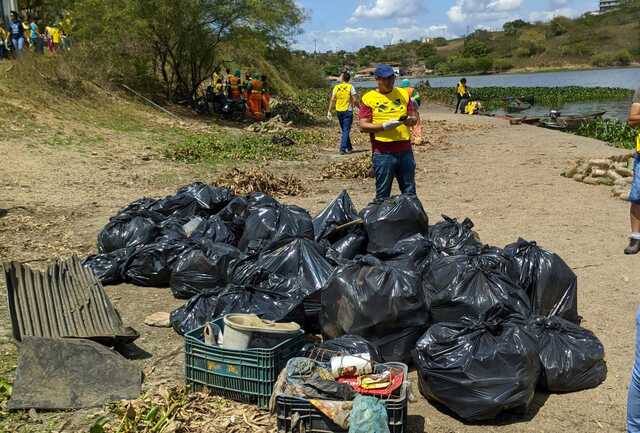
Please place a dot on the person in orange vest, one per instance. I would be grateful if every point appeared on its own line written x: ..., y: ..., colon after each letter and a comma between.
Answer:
x: 254, y: 89
x: 416, y: 131
x: 386, y: 114
x: 245, y: 85
x: 266, y: 96
x: 234, y: 90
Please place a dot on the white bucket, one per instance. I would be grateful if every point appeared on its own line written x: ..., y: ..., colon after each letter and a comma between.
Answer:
x: 239, y: 329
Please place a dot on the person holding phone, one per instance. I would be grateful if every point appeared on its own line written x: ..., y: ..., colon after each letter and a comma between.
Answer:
x: 387, y: 113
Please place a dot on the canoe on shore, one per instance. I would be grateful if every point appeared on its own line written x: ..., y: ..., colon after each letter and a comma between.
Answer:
x: 569, y: 122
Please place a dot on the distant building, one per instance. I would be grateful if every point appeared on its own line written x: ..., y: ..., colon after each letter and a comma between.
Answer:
x: 6, y: 6
x: 608, y: 5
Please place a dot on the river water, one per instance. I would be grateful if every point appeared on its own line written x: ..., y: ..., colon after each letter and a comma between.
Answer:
x: 628, y: 78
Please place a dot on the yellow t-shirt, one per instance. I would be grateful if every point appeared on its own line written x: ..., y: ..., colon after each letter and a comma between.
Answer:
x: 386, y: 107
x: 343, y: 92
x: 461, y: 89
x: 54, y: 32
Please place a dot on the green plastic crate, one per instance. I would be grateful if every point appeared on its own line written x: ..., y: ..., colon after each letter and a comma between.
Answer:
x: 242, y: 375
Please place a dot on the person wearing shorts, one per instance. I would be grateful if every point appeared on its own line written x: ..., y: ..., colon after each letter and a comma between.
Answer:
x: 634, y: 195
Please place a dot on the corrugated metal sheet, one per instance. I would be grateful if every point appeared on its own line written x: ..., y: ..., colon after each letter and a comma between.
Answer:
x: 65, y: 301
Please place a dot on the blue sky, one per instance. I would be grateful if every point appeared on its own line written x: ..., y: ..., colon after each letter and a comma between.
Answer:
x: 352, y: 24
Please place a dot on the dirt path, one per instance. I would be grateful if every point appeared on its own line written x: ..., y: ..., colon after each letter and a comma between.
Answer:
x: 505, y: 178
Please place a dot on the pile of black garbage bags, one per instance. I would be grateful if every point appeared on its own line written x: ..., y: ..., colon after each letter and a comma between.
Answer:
x: 485, y: 326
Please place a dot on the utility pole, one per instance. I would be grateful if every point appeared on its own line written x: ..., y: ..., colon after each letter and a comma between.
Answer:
x: 315, y: 44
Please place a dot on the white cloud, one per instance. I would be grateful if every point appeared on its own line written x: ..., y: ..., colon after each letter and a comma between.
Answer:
x: 383, y: 9
x: 353, y: 38
x: 557, y: 4
x: 549, y: 15
x: 482, y: 10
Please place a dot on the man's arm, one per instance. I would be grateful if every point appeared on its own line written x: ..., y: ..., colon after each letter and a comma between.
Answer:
x: 634, y: 115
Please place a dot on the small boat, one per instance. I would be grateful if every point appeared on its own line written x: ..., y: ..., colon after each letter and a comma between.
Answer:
x: 524, y: 120
x: 568, y: 122
x: 520, y: 103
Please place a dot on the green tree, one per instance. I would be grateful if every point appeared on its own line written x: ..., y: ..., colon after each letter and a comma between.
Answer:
x: 511, y: 28
x: 475, y: 48
x: 559, y: 26
x: 532, y: 40
x: 179, y: 42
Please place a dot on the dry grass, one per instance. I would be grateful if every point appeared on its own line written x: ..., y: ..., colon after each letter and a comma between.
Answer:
x: 260, y: 180
x: 175, y: 410
x: 352, y: 168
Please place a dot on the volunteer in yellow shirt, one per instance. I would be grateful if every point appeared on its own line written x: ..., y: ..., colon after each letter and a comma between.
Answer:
x: 344, y: 98
x: 386, y: 114
x: 634, y: 195
x: 462, y: 95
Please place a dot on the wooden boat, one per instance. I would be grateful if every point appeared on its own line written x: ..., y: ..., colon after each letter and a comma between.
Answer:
x: 517, y: 106
x: 569, y: 122
x: 526, y: 120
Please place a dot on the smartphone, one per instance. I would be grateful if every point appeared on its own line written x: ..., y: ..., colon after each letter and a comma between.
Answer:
x: 403, y: 118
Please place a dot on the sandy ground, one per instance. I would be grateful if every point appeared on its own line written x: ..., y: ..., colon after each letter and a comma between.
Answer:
x: 505, y: 178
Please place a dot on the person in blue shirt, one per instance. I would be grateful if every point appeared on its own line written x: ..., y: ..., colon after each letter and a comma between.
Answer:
x: 17, y: 32
x: 36, y: 37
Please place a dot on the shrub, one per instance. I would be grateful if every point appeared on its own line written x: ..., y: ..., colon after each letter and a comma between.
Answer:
x: 522, y: 52
x: 501, y: 65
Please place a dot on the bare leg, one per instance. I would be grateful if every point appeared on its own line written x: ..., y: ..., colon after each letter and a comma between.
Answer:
x: 635, y: 218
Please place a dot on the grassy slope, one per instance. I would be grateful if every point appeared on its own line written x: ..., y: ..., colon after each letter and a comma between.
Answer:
x: 584, y: 38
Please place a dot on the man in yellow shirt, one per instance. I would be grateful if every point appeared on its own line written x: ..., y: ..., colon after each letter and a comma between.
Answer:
x: 387, y: 113
x: 462, y: 95
x: 344, y: 98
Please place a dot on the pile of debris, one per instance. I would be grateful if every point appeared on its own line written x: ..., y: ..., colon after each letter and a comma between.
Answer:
x: 290, y: 111
x: 175, y: 409
x: 615, y: 171
x: 360, y: 167
x: 274, y: 125
x: 259, y: 180
x: 410, y: 289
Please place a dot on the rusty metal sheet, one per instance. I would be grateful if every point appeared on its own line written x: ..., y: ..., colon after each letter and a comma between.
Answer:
x: 67, y: 300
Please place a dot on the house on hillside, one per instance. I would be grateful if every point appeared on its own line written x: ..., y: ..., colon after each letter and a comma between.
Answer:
x: 6, y: 6
x: 608, y: 5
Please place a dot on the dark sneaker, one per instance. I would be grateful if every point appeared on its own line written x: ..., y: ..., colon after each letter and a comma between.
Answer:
x: 342, y: 152
x: 634, y: 247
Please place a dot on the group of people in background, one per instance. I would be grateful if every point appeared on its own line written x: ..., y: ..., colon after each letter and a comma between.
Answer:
x: 251, y: 90
x: 35, y: 35
x: 465, y: 104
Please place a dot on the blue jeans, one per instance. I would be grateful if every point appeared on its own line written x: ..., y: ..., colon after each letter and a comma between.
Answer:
x: 345, y: 118
x: 398, y: 165
x: 633, y: 401
x: 18, y: 44
x: 634, y: 195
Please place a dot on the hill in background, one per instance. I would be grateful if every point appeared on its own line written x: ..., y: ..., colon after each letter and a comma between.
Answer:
x: 609, y: 39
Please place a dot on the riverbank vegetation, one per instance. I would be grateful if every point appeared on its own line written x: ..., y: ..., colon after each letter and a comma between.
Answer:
x: 549, y: 96
x: 609, y: 39
x: 614, y: 132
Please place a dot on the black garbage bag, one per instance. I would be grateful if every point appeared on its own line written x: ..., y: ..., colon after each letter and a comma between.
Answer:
x: 201, y: 268
x: 572, y: 357
x: 452, y: 238
x: 194, y: 199
x: 479, y: 368
x: 340, y: 211
x: 108, y: 267
x: 142, y: 204
x: 151, y: 264
x: 390, y: 220
x: 469, y: 285
x: 397, y: 347
x: 370, y: 298
x: 234, y: 215
x: 346, y: 344
x: 549, y: 282
x: 128, y: 230
x: 275, y: 298
x: 415, y: 253
x: 349, y: 246
x: 272, y: 222
x: 172, y: 229
x: 298, y: 258
x: 214, y: 229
